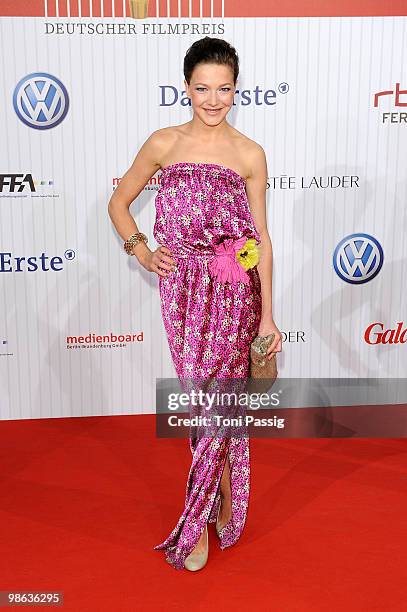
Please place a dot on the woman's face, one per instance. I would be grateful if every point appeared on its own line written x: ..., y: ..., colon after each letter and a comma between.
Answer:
x: 211, y: 91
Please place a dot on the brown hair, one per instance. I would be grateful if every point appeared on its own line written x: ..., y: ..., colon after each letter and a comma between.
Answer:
x: 211, y: 51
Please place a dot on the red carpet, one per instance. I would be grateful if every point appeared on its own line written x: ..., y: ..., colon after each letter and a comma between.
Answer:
x: 84, y: 500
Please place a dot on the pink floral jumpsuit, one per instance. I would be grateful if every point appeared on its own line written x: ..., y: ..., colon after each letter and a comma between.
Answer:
x: 209, y: 325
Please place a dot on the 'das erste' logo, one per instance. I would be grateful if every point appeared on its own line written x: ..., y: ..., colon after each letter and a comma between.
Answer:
x: 358, y: 258
x: 41, y: 100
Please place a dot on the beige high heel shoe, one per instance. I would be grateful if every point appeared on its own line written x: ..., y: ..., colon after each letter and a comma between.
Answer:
x: 196, y: 561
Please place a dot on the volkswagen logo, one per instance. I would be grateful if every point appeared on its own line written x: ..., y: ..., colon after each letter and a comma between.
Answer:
x: 40, y: 100
x: 358, y: 258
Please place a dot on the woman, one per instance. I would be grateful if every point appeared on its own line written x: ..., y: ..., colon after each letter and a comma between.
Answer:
x: 212, y: 197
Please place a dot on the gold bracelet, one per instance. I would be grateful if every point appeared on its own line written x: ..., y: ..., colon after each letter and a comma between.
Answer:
x: 133, y: 240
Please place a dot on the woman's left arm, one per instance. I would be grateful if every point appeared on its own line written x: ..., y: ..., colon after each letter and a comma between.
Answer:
x: 256, y: 186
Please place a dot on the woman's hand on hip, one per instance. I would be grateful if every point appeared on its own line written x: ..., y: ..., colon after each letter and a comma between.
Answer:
x: 159, y: 261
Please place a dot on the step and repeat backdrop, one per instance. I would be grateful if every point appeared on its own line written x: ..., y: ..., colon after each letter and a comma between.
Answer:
x: 322, y: 89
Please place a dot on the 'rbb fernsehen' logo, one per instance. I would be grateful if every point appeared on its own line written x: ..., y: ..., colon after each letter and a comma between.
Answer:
x: 358, y: 258
x: 40, y: 100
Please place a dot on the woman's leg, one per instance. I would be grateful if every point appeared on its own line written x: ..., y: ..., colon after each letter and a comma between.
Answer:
x: 225, y: 511
x: 239, y: 478
x: 203, y: 483
x: 225, y: 506
x: 204, y: 493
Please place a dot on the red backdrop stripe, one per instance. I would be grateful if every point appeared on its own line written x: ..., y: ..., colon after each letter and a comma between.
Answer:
x: 232, y: 8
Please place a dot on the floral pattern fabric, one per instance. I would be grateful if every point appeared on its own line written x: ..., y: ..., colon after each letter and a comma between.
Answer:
x: 209, y: 325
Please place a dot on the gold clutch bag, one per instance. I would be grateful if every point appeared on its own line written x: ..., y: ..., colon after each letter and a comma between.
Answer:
x: 260, y: 366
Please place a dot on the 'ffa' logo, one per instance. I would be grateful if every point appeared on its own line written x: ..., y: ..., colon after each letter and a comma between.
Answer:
x: 41, y: 101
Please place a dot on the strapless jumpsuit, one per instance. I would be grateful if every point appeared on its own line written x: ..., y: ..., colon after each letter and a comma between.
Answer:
x: 209, y: 326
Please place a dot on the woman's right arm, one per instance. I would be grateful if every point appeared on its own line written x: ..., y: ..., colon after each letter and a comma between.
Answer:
x: 144, y: 166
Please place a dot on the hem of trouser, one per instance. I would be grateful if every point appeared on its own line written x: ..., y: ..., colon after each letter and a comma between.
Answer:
x: 230, y: 536
x: 175, y: 557
x: 177, y: 560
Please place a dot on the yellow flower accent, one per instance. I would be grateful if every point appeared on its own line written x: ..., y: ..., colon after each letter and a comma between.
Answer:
x: 248, y: 256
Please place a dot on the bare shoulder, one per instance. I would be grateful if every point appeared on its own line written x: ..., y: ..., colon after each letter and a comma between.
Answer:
x: 251, y: 152
x: 150, y: 155
x: 160, y: 140
x: 165, y: 140
x: 256, y: 159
